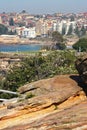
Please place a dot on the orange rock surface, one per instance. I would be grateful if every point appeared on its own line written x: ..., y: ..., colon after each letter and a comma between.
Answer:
x: 58, y: 103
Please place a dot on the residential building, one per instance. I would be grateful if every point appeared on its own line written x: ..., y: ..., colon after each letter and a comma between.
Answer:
x: 29, y: 32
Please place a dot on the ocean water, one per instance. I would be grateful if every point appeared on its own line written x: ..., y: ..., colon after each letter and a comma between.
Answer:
x: 19, y: 48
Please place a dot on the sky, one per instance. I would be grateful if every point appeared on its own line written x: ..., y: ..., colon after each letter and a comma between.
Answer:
x: 44, y: 6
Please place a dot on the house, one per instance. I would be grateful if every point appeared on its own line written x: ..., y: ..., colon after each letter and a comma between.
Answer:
x: 29, y: 32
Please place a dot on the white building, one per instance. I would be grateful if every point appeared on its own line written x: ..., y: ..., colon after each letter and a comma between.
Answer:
x: 54, y: 26
x: 19, y: 30
x: 73, y: 26
x: 63, y: 24
x: 0, y: 20
x: 29, y: 32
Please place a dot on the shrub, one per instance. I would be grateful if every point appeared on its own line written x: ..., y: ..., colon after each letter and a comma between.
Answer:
x: 81, y: 45
x: 39, y: 67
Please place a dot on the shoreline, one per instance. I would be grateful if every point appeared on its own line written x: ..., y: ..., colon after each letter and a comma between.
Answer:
x: 16, y: 40
x: 30, y: 43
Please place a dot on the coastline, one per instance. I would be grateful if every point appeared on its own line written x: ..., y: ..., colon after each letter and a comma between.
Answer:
x: 14, y: 40
x: 17, y: 40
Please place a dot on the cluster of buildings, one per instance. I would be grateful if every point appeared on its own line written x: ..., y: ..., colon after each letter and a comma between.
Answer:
x: 32, y: 26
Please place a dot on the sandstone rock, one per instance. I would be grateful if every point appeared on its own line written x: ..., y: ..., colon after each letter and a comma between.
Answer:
x: 73, y: 118
x: 58, y: 103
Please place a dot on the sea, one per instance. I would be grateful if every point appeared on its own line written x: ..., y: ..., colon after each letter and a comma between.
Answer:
x: 20, y: 47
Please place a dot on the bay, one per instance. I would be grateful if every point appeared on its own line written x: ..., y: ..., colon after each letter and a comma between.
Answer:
x: 19, y: 47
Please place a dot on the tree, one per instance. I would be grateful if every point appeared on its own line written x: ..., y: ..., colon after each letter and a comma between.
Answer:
x: 63, y: 31
x: 77, y: 32
x: 12, y: 33
x: 81, y: 45
x: 72, y: 18
x: 58, y: 39
x: 23, y: 11
x: 83, y: 31
x: 39, y: 67
x: 11, y: 22
x: 70, y: 30
x: 3, y: 29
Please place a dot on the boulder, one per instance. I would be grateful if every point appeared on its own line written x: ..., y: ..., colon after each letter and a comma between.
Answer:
x: 58, y: 103
x: 81, y: 66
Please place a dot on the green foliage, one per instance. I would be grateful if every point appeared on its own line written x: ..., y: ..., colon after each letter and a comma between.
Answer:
x: 81, y: 44
x: 77, y: 32
x: 39, y: 67
x: 70, y: 30
x: 60, y: 46
x: 58, y: 39
x: 72, y: 18
x: 80, y: 32
x: 7, y: 95
x: 12, y: 33
x: 23, y: 11
x: 63, y: 30
x: 11, y: 22
x: 83, y: 31
x: 3, y: 29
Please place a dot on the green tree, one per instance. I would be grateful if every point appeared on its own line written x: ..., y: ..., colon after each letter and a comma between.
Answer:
x: 57, y: 37
x: 3, y: 29
x: 81, y: 45
x: 70, y: 30
x: 72, y: 18
x: 83, y: 31
x: 12, y: 33
x: 11, y: 22
x: 58, y: 41
x: 39, y: 67
x: 77, y: 32
x: 23, y: 11
x: 63, y: 31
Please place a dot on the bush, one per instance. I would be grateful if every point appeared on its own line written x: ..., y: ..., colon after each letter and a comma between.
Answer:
x: 39, y: 67
x: 81, y: 45
x: 3, y: 29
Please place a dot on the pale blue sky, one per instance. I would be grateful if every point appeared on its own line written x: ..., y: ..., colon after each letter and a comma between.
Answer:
x: 43, y: 6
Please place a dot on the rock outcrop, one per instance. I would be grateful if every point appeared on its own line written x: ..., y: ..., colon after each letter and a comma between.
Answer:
x: 57, y: 103
x: 81, y: 66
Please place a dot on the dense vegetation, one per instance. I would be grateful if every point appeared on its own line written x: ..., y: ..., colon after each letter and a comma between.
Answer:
x: 81, y: 45
x: 3, y: 29
x: 38, y: 67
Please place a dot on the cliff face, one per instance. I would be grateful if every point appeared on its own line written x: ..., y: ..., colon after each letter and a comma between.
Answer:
x: 57, y: 103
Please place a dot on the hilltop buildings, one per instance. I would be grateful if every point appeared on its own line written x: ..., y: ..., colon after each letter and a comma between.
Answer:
x: 31, y: 26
